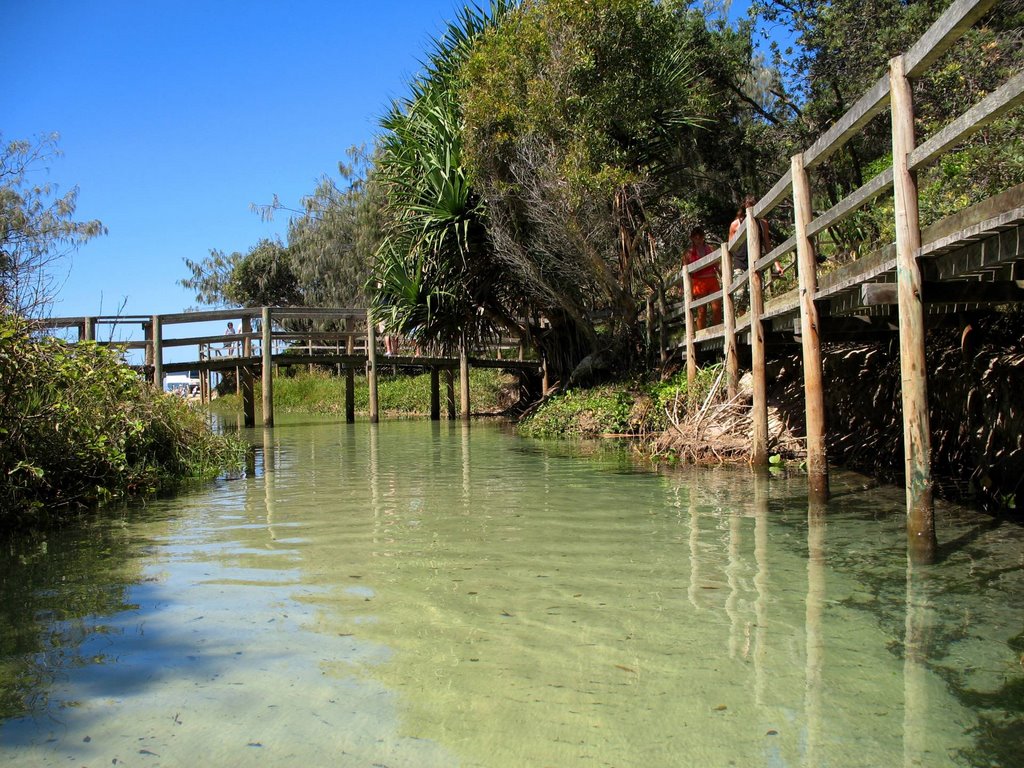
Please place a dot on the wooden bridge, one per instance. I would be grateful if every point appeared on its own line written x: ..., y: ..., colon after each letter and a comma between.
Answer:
x: 969, y: 260
x: 349, y: 345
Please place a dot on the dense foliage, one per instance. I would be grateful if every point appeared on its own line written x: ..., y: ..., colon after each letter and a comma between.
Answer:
x: 77, y: 427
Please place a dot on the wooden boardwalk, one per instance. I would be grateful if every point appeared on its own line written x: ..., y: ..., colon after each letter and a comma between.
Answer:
x: 349, y: 347
x: 967, y: 261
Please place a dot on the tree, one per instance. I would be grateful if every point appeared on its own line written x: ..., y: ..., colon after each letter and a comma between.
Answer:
x: 37, y: 226
x: 265, y: 277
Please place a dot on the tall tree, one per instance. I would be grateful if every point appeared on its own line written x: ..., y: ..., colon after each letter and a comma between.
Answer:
x: 37, y: 226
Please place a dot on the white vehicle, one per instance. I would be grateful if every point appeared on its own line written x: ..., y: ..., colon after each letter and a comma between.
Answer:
x: 183, y: 384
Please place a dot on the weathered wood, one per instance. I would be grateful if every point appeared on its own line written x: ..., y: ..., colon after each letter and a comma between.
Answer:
x: 974, y: 292
x: 947, y: 29
x: 371, y: 366
x: 774, y: 196
x: 157, y: 362
x: 913, y: 371
x: 732, y: 363
x: 814, y: 393
x: 776, y: 253
x: 449, y: 377
x: 267, y: 348
x: 759, y: 413
x: 90, y: 329
x: 878, y: 185
x: 245, y: 376
x: 691, y: 352
x: 464, y: 379
x: 1009, y: 95
x: 846, y: 127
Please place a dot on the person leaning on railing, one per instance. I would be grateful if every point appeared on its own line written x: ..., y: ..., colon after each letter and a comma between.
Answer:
x: 704, y: 281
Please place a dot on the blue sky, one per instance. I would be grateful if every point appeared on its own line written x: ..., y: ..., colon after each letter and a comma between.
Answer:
x: 175, y: 116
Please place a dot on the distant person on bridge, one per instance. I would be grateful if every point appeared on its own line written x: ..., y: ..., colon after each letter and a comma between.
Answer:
x: 741, y: 260
x: 229, y: 346
x: 704, y: 281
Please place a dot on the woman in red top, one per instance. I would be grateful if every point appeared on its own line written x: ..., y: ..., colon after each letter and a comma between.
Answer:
x: 705, y: 281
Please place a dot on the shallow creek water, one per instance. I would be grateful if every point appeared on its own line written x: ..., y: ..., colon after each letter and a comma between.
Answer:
x: 420, y: 595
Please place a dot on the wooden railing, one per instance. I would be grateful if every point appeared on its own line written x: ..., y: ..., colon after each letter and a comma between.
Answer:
x: 900, y: 263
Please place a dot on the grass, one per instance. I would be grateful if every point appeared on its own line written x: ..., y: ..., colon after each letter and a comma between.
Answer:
x: 320, y: 391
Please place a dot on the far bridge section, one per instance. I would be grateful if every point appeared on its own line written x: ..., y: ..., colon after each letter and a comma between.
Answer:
x: 270, y: 337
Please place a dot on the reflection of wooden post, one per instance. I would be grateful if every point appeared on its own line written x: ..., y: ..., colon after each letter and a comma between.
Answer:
x: 464, y: 378
x: 158, y: 354
x: 691, y: 351
x: 916, y: 430
x: 732, y: 362
x: 814, y: 395
x: 449, y: 376
x: 815, y: 610
x: 245, y: 371
x: 761, y: 577
x: 917, y: 740
x: 268, y: 370
x: 435, y: 394
x: 759, y: 412
x: 371, y: 365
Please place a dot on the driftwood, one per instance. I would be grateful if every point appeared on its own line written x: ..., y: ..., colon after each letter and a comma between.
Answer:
x: 719, y: 430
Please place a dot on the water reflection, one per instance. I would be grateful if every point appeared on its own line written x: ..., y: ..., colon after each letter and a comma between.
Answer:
x: 442, y: 597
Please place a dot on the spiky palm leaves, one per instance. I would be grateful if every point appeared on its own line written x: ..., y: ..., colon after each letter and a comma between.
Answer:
x: 433, y: 279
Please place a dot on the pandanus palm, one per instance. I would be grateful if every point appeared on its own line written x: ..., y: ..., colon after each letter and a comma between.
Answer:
x: 433, y: 279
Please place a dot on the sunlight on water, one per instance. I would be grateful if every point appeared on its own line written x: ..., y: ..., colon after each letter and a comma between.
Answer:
x: 429, y: 595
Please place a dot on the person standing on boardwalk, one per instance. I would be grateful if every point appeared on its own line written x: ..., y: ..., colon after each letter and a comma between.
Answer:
x: 704, y: 281
x: 741, y: 259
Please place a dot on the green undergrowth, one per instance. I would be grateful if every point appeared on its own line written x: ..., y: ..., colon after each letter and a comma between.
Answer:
x: 635, y: 407
x: 78, y: 428
x: 321, y: 391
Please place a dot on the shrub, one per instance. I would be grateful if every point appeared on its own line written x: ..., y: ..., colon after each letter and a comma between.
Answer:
x: 78, y: 427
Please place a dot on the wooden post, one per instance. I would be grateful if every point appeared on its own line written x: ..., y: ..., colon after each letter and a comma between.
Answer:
x: 371, y: 365
x: 350, y: 394
x: 449, y: 376
x: 147, y: 334
x: 662, y: 328
x: 759, y: 413
x: 435, y: 394
x: 732, y: 361
x: 464, y: 378
x: 90, y: 329
x: 814, y: 395
x: 268, y: 370
x: 649, y: 335
x: 350, y: 339
x: 245, y: 375
x: 158, y: 353
x: 916, y: 429
x: 691, y: 350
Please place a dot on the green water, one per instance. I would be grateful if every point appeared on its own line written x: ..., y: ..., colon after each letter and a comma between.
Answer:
x: 429, y: 595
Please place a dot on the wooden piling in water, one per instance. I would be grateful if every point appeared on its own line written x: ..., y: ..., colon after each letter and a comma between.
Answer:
x: 464, y: 379
x: 245, y: 375
x: 814, y: 395
x: 759, y: 413
x: 435, y: 394
x: 913, y: 373
x: 371, y: 365
x: 267, y: 368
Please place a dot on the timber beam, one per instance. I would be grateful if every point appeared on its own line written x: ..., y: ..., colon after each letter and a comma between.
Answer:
x: 973, y: 292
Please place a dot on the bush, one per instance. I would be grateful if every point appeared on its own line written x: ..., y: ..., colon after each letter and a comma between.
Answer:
x: 78, y: 427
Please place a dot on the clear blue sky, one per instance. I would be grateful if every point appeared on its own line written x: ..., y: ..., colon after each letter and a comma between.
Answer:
x: 175, y: 116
